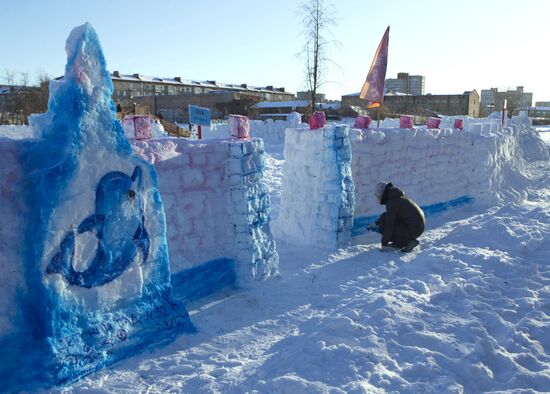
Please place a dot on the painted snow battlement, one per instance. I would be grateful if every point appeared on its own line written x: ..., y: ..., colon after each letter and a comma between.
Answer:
x: 317, y: 196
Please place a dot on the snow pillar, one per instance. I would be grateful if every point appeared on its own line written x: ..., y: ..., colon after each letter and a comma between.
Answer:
x: 317, y: 197
x: 249, y: 205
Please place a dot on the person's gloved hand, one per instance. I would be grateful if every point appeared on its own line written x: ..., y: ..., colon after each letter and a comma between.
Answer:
x: 374, y: 227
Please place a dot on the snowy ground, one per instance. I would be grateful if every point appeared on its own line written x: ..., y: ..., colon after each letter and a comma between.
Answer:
x: 467, y: 312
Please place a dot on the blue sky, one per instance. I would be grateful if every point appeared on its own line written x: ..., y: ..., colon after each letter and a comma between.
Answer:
x: 457, y: 45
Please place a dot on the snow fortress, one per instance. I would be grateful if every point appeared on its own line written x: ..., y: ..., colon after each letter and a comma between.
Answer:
x: 317, y: 197
x: 83, y: 235
x: 217, y: 212
x: 438, y: 168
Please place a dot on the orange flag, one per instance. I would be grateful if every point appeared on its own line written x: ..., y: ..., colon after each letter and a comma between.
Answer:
x: 373, y: 88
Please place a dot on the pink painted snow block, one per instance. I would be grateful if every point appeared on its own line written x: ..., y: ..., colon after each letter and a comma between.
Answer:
x: 317, y: 120
x: 459, y: 124
x: 433, y: 123
x: 406, y: 122
x: 362, y: 122
x: 142, y: 127
x: 239, y: 126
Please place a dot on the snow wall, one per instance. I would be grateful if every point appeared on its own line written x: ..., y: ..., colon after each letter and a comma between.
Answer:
x: 271, y: 131
x: 317, y: 196
x: 438, y: 168
x: 86, y: 276
x: 217, y: 212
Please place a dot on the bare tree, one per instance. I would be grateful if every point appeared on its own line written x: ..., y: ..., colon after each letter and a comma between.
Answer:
x: 24, y: 79
x: 318, y: 19
x: 9, y: 77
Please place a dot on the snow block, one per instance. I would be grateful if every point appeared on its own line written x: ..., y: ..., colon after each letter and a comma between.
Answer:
x: 458, y: 124
x: 239, y: 126
x: 89, y: 241
x: 317, y: 120
x: 406, y: 122
x: 142, y: 127
x: 362, y: 122
x: 433, y: 123
x: 317, y: 196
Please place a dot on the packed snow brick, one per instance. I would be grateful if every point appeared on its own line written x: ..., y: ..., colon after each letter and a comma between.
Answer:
x: 317, y: 197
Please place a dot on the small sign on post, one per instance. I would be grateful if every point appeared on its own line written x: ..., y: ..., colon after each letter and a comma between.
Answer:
x: 199, y: 116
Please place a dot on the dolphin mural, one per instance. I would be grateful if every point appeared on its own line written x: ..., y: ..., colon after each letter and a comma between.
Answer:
x: 118, y: 223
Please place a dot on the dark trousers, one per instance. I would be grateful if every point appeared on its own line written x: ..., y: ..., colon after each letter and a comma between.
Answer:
x: 401, y: 235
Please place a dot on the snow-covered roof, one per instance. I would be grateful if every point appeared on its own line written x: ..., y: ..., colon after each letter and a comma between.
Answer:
x: 282, y: 104
x: 335, y: 106
x: 208, y: 83
x: 6, y: 89
x: 273, y: 115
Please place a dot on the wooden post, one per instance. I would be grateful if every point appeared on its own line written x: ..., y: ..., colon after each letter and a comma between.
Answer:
x: 199, y: 133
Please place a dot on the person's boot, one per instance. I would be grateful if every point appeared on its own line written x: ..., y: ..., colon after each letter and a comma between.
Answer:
x: 410, y: 246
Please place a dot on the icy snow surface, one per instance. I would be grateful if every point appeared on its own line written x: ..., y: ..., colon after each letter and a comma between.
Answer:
x: 466, y: 312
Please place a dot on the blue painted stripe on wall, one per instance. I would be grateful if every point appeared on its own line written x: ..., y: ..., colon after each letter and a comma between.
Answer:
x: 360, y: 224
x: 206, y: 279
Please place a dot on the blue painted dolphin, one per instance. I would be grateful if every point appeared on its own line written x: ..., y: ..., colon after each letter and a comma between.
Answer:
x: 118, y: 223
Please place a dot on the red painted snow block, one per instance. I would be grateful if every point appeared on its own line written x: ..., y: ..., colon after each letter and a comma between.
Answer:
x: 317, y: 120
x: 406, y: 122
x: 142, y: 127
x: 433, y: 123
x: 459, y: 124
x: 239, y: 126
x: 362, y: 122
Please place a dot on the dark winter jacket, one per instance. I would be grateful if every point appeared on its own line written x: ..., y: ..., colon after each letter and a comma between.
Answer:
x: 402, y: 214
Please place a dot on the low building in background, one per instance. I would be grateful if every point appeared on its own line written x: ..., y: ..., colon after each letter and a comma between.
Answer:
x: 174, y: 107
x: 426, y: 105
x: 280, y: 109
x: 540, y: 113
x: 126, y: 88
x: 319, y: 97
x: 516, y: 100
x: 18, y: 102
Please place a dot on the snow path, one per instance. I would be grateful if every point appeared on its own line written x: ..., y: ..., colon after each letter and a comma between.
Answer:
x: 468, y: 311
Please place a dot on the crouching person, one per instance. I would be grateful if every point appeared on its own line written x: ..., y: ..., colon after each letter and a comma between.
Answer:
x: 403, y: 222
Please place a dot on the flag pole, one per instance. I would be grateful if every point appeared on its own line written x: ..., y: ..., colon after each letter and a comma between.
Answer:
x: 373, y: 88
